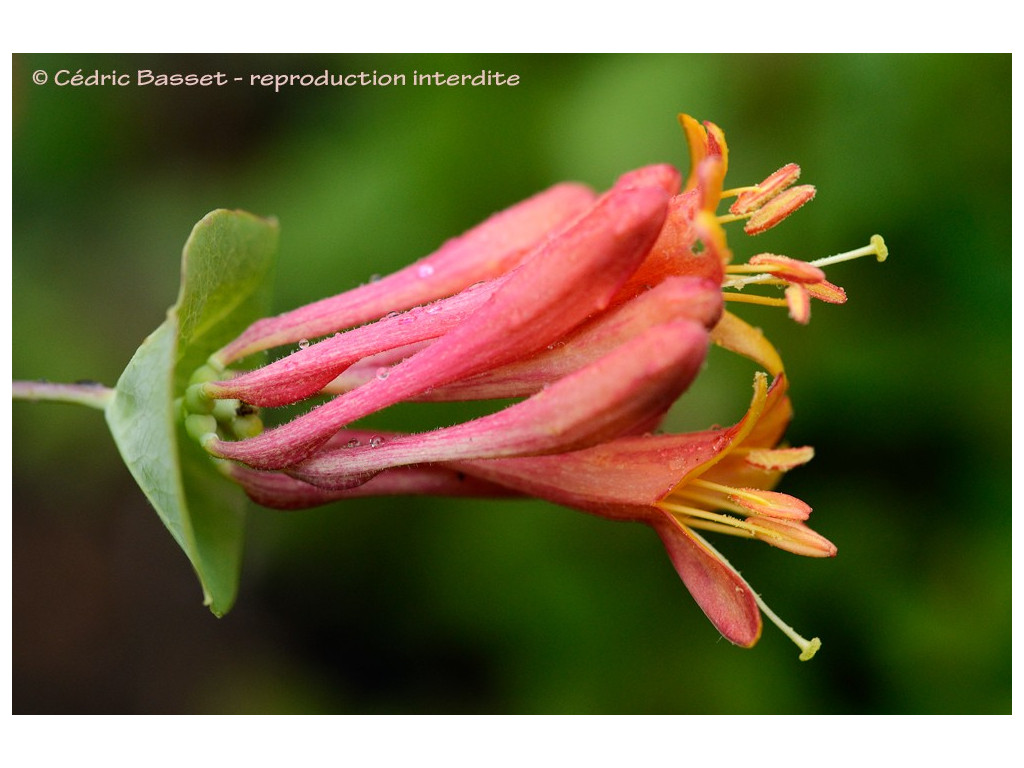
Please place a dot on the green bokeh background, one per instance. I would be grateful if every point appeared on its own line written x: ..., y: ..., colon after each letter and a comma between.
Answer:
x: 416, y: 605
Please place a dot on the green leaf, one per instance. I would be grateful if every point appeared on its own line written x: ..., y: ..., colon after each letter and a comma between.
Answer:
x: 227, y: 266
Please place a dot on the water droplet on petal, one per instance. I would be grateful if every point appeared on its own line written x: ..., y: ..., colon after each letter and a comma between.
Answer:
x: 376, y: 441
x: 425, y: 270
x: 303, y: 343
x: 353, y: 443
x: 382, y: 372
x: 391, y: 314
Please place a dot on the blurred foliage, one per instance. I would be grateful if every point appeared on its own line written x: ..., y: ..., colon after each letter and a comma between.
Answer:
x: 416, y: 605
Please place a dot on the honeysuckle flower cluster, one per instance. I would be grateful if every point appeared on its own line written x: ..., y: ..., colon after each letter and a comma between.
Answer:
x: 595, y: 312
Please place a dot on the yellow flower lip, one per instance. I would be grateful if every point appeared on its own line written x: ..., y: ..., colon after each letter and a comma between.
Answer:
x: 704, y: 140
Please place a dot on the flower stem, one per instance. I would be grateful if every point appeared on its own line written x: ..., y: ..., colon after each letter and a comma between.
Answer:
x: 90, y: 393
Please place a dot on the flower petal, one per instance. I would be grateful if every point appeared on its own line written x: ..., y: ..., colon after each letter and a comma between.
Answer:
x: 739, y: 337
x: 710, y: 179
x: 621, y: 478
x: 489, y: 249
x: 704, y: 141
x: 570, y: 277
x: 721, y: 593
x: 659, y: 175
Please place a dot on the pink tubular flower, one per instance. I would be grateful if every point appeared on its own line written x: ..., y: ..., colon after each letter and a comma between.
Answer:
x: 595, y: 312
x: 569, y: 277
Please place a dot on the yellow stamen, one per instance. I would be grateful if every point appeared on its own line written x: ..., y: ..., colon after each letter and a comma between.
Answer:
x: 755, y: 497
x: 694, y: 516
x: 799, y: 302
x: 763, y: 193
x: 753, y: 298
x: 713, y: 486
x: 709, y: 500
x: 747, y: 269
x: 793, y: 536
x: 740, y: 190
x: 708, y: 525
x: 779, y: 208
x: 701, y: 518
x: 725, y: 218
x: 876, y: 248
x: 745, y: 501
x: 825, y: 291
x: 742, y: 501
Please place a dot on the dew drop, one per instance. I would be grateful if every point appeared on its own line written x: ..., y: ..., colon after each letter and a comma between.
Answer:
x: 425, y: 270
x: 382, y: 372
x: 376, y: 441
x: 353, y: 443
x: 391, y: 314
x: 303, y: 343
